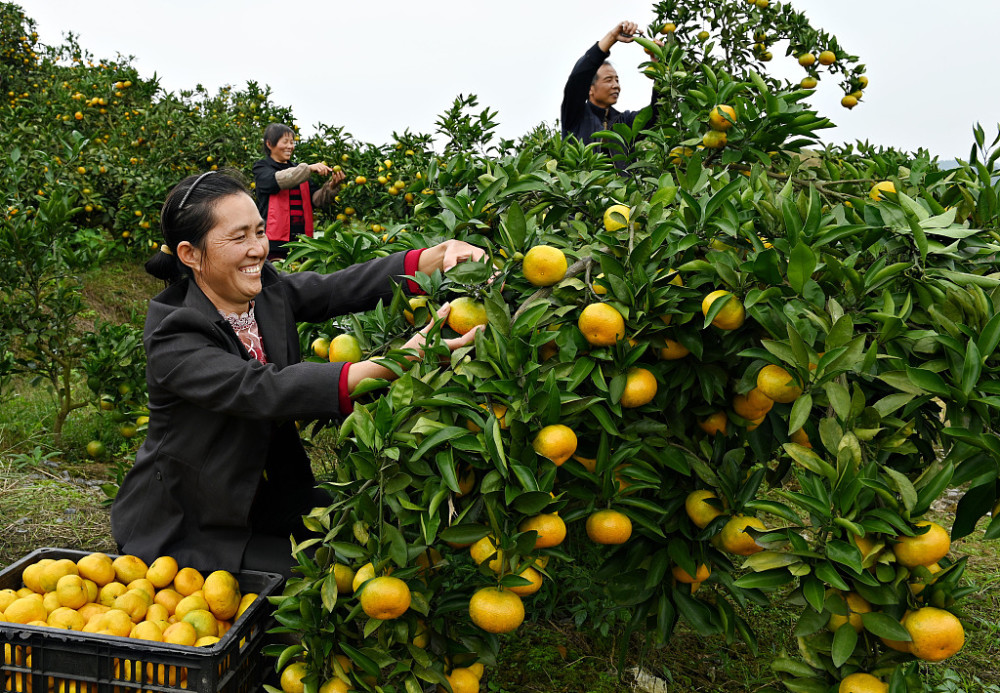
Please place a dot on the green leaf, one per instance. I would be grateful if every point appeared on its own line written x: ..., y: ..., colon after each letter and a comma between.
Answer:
x: 516, y: 227
x: 885, y: 626
x: 811, y: 461
x: 903, y: 486
x: 328, y: 593
x: 767, y: 580
x: 844, y: 642
x: 800, y: 412
x: 972, y: 368
x: 801, y: 265
x: 928, y: 381
x: 840, y: 399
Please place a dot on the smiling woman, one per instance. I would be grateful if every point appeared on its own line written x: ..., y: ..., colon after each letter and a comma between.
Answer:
x: 222, y: 479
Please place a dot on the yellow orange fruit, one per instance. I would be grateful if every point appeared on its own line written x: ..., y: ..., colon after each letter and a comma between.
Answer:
x: 71, y: 591
x: 753, y: 404
x: 860, y: 682
x: 129, y: 568
x: 466, y: 313
x: 205, y: 624
x: 555, y: 442
x: 807, y: 59
x: 611, y: 223
x: 714, y: 423
x: 344, y: 348
x: 699, y: 509
x: 736, y: 540
x: 66, y: 618
x: 222, y: 592
x: 486, y: 549
x: 496, y: 610
x: 673, y: 350
x: 320, y: 347
x: 714, y: 139
x: 856, y: 605
x: 721, y: 118
x: 96, y: 567
x: 609, y: 527
x: 50, y: 574
x: 550, y: 527
x: 385, y: 598
x: 601, y: 324
x: 188, y: 581
x: 827, y: 58
x: 936, y: 634
x: 25, y: 610
x: 778, y: 384
x: 922, y: 549
x: 414, y: 303
x: 365, y: 573
x: 544, y: 265
x: 180, y: 633
x: 534, y: 576
x: 876, y: 193
x: 640, y: 388
x: 292, y: 676
x: 462, y: 681
x: 731, y: 316
x: 702, y: 573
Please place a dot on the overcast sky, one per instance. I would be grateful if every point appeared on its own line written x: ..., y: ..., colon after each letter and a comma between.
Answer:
x: 375, y: 67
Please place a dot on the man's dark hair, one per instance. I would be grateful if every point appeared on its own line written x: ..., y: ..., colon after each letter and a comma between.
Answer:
x: 594, y: 80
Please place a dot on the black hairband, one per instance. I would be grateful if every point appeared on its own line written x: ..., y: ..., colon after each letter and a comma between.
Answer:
x: 193, y: 186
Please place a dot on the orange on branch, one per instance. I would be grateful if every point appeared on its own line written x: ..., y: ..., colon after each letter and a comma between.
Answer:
x: 777, y: 383
x: 601, y: 324
x: 544, y: 265
x: 466, y: 313
x: 609, y: 527
x: 555, y: 442
x: 640, y: 388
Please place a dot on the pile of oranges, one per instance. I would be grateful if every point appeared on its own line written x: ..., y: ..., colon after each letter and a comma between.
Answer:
x: 124, y: 597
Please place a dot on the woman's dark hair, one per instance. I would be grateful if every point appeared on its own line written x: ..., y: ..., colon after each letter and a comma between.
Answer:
x: 188, y: 214
x: 273, y: 133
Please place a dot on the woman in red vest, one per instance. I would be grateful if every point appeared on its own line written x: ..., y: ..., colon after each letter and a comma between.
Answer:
x: 286, y: 196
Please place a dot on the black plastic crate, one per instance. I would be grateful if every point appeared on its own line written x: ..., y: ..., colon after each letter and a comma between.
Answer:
x: 48, y: 660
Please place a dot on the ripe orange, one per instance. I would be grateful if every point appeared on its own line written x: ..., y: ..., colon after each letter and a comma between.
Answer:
x: 862, y: 683
x: 344, y: 348
x: 162, y: 571
x: 849, y: 101
x: 601, y: 324
x: 610, y: 222
x: 484, y: 549
x: 222, y: 592
x: 415, y: 302
x: 752, y: 405
x: 714, y: 423
x: 544, y: 265
x: 640, y: 388
x: 922, y: 549
x: 385, y: 598
x: 187, y: 581
x: 71, y: 591
x: 778, y: 384
x: 827, y: 58
x: 25, y: 610
x: 801, y: 437
x: 335, y: 685
x: 129, y: 568
x: 714, y: 139
x: 320, y: 347
x: 609, y: 527
x: 466, y: 313
x: 809, y: 83
x: 534, y: 576
x: 291, y: 677
x: 701, y: 574
x: 555, y: 442
x: 884, y: 186
x: 699, y: 509
x: 736, y: 540
x: 732, y: 314
x: 364, y: 574
x: 919, y: 582
x: 856, y: 605
x: 721, y: 118
x: 550, y: 527
x: 673, y: 351
x: 496, y: 610
x: 462, y: 681
x: 937, y: 634
x: 807, y: 59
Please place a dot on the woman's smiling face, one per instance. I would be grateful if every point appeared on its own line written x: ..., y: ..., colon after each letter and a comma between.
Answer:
x: 228, y: 266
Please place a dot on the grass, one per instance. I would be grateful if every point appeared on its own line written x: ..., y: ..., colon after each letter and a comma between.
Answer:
x: 51, y: 497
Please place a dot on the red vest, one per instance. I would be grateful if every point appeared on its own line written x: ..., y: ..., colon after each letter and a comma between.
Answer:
x: 279, y: 220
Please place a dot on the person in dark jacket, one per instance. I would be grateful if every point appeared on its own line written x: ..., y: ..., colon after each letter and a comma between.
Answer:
x: 592, y: 89
x: 222, y: 480
x: 286, y: 194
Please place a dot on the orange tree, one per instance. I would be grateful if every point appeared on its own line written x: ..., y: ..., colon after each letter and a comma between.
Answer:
x: 767, y: 364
